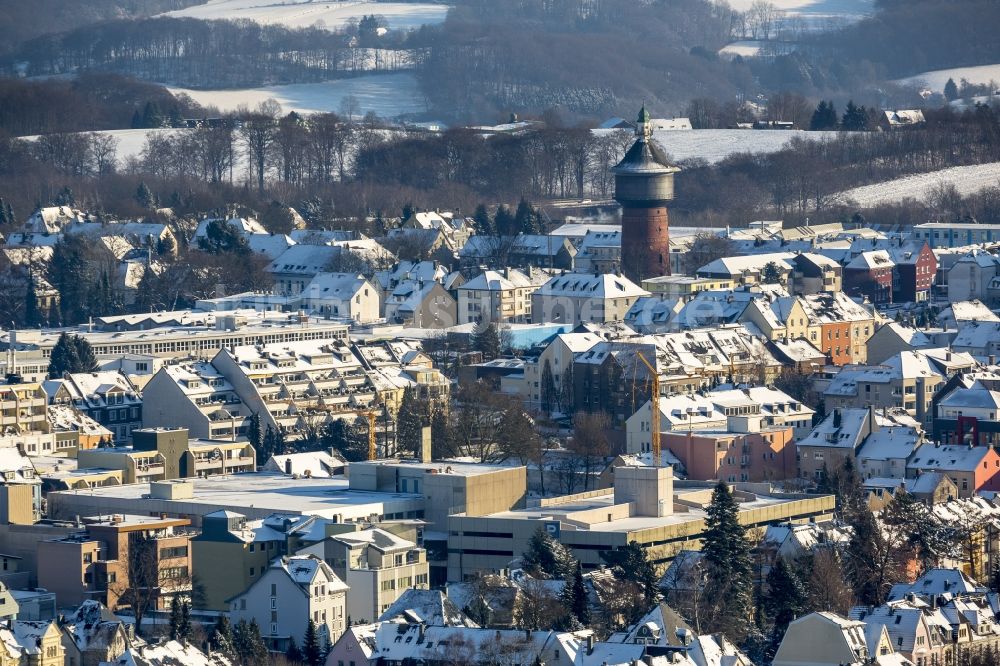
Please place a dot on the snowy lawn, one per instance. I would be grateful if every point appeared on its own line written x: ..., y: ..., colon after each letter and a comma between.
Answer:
x: 967, y: 179
x: 936, y: 79
x: 388, y: 95
x: 307, y: 13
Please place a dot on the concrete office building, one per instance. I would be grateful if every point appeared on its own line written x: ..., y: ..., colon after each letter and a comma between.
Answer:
x: 644, y: 506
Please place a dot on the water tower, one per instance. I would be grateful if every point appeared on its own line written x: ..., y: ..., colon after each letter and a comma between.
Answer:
x: 644, y: 185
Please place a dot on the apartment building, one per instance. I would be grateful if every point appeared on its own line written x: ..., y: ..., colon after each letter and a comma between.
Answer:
x: 185, y: 458
x: 183, y: 334
x: 908, y: 381
x: 231, y: 553
x: 293, y: 591
x: 573, y: 298
x: 134, y: 466
x: 95, y: 563
x: 341, y: 295
x: 195, y: 395
x: 22, y: 409
x: 495, y: 296
x: 838, y: 326
x: 107, y: 397
x: 376, y: 564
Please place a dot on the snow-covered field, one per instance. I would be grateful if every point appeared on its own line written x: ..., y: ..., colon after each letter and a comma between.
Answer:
x: 388, y: 95
x: 130, y: 141
x: 966, y: 179
x: 816, y: 10
x: 309, y: 13
x: 716, y: 145
x: 936, y: 79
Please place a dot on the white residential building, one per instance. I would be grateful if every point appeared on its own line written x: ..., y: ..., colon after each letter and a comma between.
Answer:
x: 573, y: 298
x: 495, y: 296
x: 290, y: 593
x: 341, y: 295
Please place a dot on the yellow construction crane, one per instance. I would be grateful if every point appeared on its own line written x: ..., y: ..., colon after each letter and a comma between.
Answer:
x: 654, y: 411
x: 372, y: 452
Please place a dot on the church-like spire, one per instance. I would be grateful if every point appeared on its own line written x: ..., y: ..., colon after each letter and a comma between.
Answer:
x: 643, y: 128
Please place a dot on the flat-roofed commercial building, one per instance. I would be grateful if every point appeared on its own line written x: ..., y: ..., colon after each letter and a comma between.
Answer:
x: 256, y: 496
x: 644, y: 506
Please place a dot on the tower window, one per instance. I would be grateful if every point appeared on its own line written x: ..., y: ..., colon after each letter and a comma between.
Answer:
x: 661, y: 259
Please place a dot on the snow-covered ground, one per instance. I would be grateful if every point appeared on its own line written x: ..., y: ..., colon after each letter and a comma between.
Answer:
x: 966, y: 179
x: 748, y: 48
x: 716, y: 145
x: 130, y: 141
x: 816, y: 11
x: 936, y: 79
x: 309, y: 13
x: 388, y: 95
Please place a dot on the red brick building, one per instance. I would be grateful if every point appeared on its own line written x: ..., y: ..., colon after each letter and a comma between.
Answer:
x: 870, y: 274
x: 916, y: 267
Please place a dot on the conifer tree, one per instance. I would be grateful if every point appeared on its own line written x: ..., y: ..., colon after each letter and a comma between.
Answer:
x: 312, y: 651
x: 729, y: 566
x: 175, y: 618
x: 574, y: 596
x: 548, y: 388
x: 409, y: 422
x: 32, y: 316
x: 630, y: 563
x: 222, y: 635
x: 487, y: 342
x: 255, y: 435
x: 293, y: 654
x: 483, y: 223
x: 950, y: 90
x: 784, y: 599
x: 184, y: 627
x: 144, y: 196
x: 504, y: 223
x: 546, y: 557
x: 526, y: 219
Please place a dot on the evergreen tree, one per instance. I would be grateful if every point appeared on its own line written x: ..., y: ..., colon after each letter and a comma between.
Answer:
x: 630, y: 563
x: 152, y: 117
x: 784, y: 599
x: 546, y: 557
x: 184, y: 627
x: 68, y: 272
x: 71, y: 353
x: 855, y: 117
x: 824, y: 117
x: 567, y: 391
x: 175, y: 618
x: 32, y: 316
x: 222, y: 636
x: 293, y: 654
x: 483, y: 223
x: 221, y: 237
x: 548, y: 389
x: 504, y: 223
x: 439, y: 434
x: 950, y: 90
x: 248, y: 645
x: 312, y: 651
x: 770, y: 274
x: 574, y: 596
x: 729, y: 566
x: 255, y: 435
x: 144, y: 196
x: 65, y: 197
x: 526, y: 219
x: 487, y: 342
x: 410, y: 421
x: 346, y: 438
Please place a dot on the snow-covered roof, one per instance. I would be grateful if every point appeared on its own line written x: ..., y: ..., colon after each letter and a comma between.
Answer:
x: 498, y: 281
x: 169, y: 653
x: 602, y: 286
x: 433, y: 607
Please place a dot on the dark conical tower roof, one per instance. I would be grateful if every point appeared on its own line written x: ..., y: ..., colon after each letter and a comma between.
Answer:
x: 645, y: 156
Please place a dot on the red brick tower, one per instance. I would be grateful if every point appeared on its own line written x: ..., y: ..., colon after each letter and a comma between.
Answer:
x: 644, y: 185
